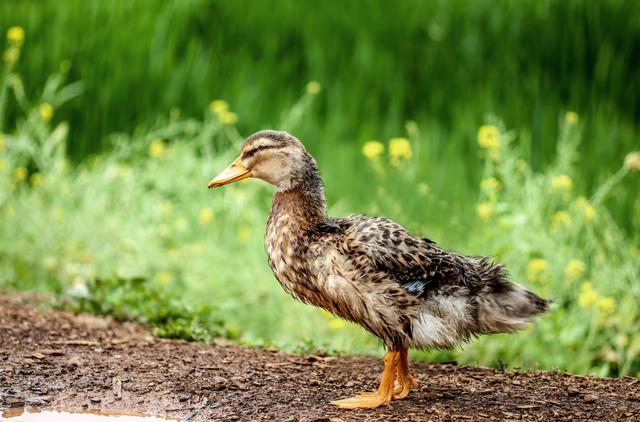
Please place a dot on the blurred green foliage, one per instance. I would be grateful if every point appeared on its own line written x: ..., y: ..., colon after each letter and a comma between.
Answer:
x: 108, y: 137
x: 444, y: 64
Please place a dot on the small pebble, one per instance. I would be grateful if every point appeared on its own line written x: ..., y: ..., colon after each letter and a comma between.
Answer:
x: 183, y: 397
x: 219, y: 380
x: 590, y: 398
x: 573, y: 391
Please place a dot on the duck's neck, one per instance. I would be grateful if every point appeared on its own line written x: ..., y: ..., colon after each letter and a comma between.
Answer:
x: 303, y: 206
x: 294, y: 213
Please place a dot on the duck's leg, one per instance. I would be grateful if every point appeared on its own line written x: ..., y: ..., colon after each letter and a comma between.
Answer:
x: 404, y: 377
x: 383, y: 396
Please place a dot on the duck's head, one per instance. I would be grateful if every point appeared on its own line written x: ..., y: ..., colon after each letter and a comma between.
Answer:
x: 275, y: 157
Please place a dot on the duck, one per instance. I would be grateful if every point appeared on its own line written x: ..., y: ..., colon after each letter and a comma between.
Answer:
x: 402, y: 288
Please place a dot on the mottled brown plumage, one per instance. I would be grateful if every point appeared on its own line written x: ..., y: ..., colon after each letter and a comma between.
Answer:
x: 404, y: 289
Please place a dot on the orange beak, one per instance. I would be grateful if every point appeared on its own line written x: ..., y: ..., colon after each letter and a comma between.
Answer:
x: 234, y: 172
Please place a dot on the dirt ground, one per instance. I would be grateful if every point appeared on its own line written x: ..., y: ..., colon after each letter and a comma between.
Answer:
x: 53, y: 359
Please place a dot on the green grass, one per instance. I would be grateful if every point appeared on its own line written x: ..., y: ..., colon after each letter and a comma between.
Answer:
x: 444, y: 64
x: 104, y: 202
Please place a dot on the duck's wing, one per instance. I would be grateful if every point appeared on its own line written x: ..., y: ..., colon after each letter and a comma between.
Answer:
x: 378, y: 249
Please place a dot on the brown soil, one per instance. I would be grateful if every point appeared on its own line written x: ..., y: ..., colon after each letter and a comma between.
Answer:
x: 59, y: 359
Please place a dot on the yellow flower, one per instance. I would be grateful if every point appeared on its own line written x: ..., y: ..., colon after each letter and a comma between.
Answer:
x: 588, y: 297
x: 205, y: 216
x: 218, y: 106
x: 585, y: 208
x: 313, y: 88
x: 490, y: 185
x: 489, y: 137
x: 15, y: 35
x: 156, y: 148
x: 65, y: 66
x: 606, y: 305
x: 163, y: 277
x: 373, y: 150
x: 11, y: 55
x: 632, y: 161
x: 36, y: 179
x: 560, y: 220
x: 399, y: 149
x: 562, y: 183
x: 574, y: 270
x: 228, y: 118
x: 485, y: 211
x: 571, y: 117
x: 45, y: 110
x: 20, y: 174
x: 537, y: 270
x: 244, y: 233
x: 337, y: 324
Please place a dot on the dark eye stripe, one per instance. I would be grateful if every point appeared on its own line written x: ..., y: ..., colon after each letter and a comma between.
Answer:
x: 253, y: 151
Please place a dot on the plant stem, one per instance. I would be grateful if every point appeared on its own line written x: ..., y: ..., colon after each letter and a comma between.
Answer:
x: 608, y: 185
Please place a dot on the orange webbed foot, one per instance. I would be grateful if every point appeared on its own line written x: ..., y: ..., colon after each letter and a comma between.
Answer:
x: 396, y: 368
x: 405, y: 381
x: 382, y: 397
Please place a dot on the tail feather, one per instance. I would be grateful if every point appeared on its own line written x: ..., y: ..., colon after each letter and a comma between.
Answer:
x: 504, y: 306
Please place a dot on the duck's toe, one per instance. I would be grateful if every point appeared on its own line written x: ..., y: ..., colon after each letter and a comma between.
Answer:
x: 367, y: 400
